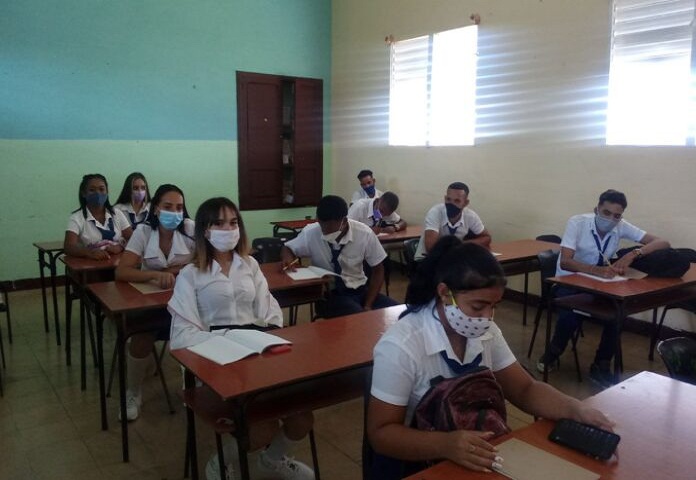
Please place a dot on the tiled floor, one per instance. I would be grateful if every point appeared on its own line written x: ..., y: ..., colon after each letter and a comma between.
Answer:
x: 49, y: 428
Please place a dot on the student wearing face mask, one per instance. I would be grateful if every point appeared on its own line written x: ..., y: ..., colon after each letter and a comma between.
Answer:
x: 367, y: 187
x: 95, y: 230
x: 378, y: 213
x: 343, y: 246
x: 453, y: 217
x: 134, y: 200
x: 589, y: 242
x: 158, y: 249
x: 224, y: 287
x: 446, y: 329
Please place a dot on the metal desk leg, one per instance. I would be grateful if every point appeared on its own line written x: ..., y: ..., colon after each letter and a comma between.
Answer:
x: 83, y: 346
x: 68, y: 315
x: 547, y: 342
x: 100, y: 361
x: 525, y: 298
x: 52, y: 266
x: 42, y: 264
x: 242, y: 440
x: 618, y: 355
x: 121, y: 342
x: 190, y: 382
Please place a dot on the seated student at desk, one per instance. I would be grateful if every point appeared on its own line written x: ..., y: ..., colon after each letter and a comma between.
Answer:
x: 341, y: 245
x: 589, y: 241
x: 367, y: 187
x: 158, y: 249
x: 96, y: 229
x: 224, y: 286
x: 453, y: 217
x: 448, y: 328
x: 379, y: 213
x: 134, y: 200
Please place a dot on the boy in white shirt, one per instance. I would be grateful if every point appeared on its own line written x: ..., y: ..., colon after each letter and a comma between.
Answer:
x: 367, y: 187
x: 378, y: 213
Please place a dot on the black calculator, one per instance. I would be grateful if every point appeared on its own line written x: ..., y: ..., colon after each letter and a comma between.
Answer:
x: 592, y: 441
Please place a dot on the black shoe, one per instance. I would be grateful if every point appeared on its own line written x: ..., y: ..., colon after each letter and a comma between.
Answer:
x: 602, y: 375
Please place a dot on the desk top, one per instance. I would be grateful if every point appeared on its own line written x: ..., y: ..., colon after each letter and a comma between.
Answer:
x: 53, y: 246
x: 279, y: 280
x: 294, y: 224
x: 519, y: 250
x: 411, y: 231
x: 320, y: 348
x: 627, y: 288
x: 654, y: 416
x: 81, y: 264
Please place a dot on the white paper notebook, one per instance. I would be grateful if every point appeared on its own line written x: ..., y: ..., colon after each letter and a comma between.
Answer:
x: 629, y: 274
x: 309, y: 273
x: 235, y: 345
x: 148, y: 287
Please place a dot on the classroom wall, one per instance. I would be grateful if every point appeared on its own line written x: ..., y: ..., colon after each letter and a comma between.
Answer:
x: 539, y: 155
x: 112, y: 87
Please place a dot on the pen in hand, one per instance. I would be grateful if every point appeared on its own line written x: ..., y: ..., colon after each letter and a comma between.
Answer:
x: 291, y: 264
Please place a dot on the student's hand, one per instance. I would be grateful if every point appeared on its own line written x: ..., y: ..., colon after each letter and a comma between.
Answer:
x: 377, y: 229
x: 290, y: 264
x: 472, y: 450
x: 623, y: 263
x: 605, y: 272
x: 164, y: 279
x: 594, y: 417
x: 114, y: 249
x: 98, y: 254
x: 389, y: 229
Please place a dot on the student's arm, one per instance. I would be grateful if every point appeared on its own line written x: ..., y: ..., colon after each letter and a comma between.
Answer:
x: 128, y: 270
x: 650, y: 243
x: 570, y: 264
x: 288, y: 259
x: 374, y: 285
x: 266, y: 307
x: 393, y: 227
x: 72, y: 247
x: 483, y: 239
x: 430, y: 239
x: 541, y: 399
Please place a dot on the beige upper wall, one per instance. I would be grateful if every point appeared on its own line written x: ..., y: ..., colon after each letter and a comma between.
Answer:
x: 540, y: 155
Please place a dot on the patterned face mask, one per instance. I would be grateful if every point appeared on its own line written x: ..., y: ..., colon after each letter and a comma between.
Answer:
x: 464, y: 325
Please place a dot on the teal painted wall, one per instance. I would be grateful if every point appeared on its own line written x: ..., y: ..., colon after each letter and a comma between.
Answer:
x: 112, y: 87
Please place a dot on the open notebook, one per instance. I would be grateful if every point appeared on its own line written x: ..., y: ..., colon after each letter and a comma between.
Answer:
x: 235, y: 345
x: 309, y: 273
x: 629, y: 274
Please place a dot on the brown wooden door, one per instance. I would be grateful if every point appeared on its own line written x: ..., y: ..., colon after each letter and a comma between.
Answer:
x: 309, y: 140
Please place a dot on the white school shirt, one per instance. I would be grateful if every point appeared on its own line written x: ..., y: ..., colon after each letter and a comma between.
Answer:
x: 361, y: 244
x: 360, y: 194
x: 436, y: 220
x: 202, y: 299
x: 86, y: 228
x: 408, y: 356
x: 363, y: 211
x: 580, y: 235
x: 145, y: 243
x: 127, y: 210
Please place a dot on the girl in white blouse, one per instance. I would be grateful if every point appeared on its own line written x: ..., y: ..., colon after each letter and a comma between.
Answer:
x: 95, y: 230
x: 134, y: 200
x: 224, y: 286
x: 156, y: 252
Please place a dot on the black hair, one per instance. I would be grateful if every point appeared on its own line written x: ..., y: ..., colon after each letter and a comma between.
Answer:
x: 126, y: 194
x: 461, y: 266
x: 390, y: 200
x: 207, y: 214
x: 152, y: 219
x: 613, y: 196
x: 83, y: 186
x: 364, y: 173
x: 458, y: 186
x: 331, y: 207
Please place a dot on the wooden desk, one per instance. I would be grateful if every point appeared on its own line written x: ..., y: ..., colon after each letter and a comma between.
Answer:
x: 620, y: 299
x: 53, y: 250
x: 293, y: 226
x: 411, y: 231
x: 320, y: 349
x: 654, y: 416
x: 121, y: 302
x: 520, y: 257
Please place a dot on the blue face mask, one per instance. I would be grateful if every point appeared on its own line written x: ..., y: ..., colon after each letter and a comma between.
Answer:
x: 376, y: 214
x: 96, y: 199
x: 605, y: 225
x: 370, y: 190
x: 452, y: 210
x: 170, y: 220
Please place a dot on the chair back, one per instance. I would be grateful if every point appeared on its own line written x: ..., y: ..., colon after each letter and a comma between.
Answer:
x: 679, y: 355
x: 267, y: 249
x: 547, y: 268
x: 410, y: 247
x: 549, y: 238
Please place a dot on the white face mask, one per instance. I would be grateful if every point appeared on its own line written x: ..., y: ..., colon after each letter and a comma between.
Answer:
x: 223, y: 240
x: 604, y: 224
x: 331, y: 237
x: 464, y: 325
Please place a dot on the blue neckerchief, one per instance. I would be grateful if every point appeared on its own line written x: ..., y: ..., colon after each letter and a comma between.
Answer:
x: 336, y: 265
x: 452, y: 230
x: 457, y: 367
x: 107, y: 234
x: 600, y: 260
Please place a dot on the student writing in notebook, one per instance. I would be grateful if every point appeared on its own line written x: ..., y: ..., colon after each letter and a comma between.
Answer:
x: 134, y: 199
x: 156, y: 251
x: 95, y: 230
x: 378, y: 213
x: 589, y: 242
x: 367, y: 187
x: 343, y: 246
x: 453, y: 217
x: 224, y: 286
x: 446, y: 330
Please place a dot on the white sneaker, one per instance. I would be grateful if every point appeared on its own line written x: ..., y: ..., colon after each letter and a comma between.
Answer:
x: 133, y: 403
x: 286, y: 468
x: 212, y: 469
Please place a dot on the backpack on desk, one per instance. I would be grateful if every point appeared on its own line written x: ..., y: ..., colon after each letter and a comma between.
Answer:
x: 473, y: 401
x: 665, y: 263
